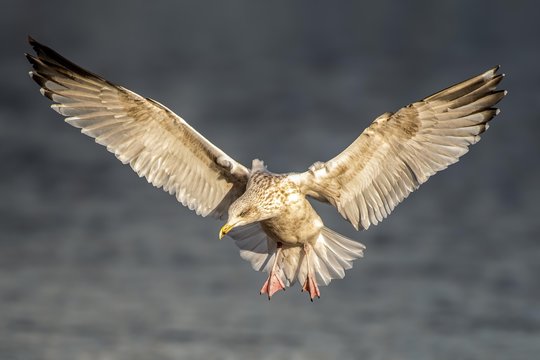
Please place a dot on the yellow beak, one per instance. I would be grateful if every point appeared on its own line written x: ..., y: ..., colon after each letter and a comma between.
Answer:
x: 224, y: 230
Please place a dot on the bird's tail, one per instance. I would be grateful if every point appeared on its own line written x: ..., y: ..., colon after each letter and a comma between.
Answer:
x: 331, y: 255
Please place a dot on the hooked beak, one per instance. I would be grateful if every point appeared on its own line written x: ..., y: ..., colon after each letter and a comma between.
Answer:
x: 224, y: 230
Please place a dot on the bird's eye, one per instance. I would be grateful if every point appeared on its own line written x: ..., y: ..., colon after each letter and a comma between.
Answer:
x: 244, y: 212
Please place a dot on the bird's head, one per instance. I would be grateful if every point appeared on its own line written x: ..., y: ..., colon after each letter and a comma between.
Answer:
x: 251, y: 207
x: 240, y: 213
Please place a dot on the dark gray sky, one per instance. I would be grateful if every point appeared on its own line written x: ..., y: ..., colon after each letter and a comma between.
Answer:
x: 95, y: 263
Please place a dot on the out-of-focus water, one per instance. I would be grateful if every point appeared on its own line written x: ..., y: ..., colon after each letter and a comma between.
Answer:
x: 97, y: 264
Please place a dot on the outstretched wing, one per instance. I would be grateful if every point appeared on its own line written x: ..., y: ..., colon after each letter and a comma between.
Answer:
x: 157, y: 143
x: 399, y: 151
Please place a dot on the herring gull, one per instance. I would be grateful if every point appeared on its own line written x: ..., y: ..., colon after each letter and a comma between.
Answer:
x: 269, y: 215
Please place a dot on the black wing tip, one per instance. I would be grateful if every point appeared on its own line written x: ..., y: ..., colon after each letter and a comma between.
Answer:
x: 45, y: 52
x: 36, y: 45
x: 501, y: 94
x: 34, y: 61
x: 41, y: 52
x: 499, y: 78
x: 51, y: 58
x: 495, y: 69
x: 30, y: 57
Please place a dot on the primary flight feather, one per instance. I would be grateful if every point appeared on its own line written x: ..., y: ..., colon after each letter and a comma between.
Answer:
x: 269, y: 216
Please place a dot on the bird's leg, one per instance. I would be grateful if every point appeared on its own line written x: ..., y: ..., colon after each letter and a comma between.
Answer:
x: 311, y: 283
x: 273, y: 283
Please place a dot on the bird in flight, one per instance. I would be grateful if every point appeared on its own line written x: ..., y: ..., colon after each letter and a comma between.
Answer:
x: 268, y: 214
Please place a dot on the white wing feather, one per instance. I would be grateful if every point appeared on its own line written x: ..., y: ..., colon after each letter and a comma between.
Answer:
x: 157, y: 143
x: 400, y: 151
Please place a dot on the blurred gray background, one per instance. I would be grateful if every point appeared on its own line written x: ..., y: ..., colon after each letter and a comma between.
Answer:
x: 97, y: 264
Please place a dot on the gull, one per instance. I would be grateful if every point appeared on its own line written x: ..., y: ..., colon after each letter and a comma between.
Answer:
x: 269, y: 215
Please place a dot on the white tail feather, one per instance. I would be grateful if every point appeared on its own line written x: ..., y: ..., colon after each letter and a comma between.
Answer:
x: 331, y: 255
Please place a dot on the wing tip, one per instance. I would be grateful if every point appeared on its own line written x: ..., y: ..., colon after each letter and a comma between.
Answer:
x: 459, y: 89
x: 31, y: 59
x: 496, y: 68
x: 31, y: 40
x: 491, y: 73
x: 36, y: 45
x: 47, y: 57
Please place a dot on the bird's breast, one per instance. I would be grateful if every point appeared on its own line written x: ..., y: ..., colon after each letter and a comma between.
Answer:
x: 296, y: 225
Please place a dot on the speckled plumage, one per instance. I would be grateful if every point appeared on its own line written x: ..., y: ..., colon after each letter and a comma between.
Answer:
x: 269, y: 215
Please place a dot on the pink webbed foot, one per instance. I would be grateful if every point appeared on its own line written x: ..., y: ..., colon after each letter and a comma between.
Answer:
x: 272, y: 285
x: 311, y: 287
